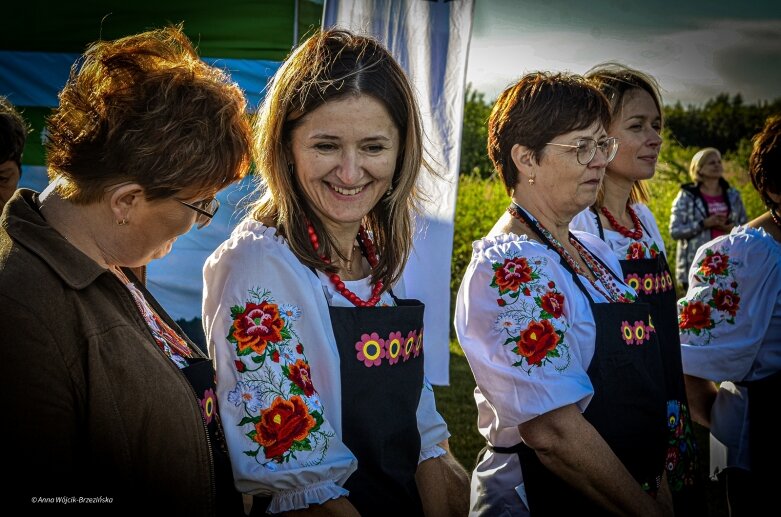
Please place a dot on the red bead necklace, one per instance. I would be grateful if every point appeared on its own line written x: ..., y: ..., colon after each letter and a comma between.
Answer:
x: 635, y: 234
x: 371, y: 256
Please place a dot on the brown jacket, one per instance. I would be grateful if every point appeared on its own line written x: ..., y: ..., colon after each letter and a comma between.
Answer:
x: 91, y: 405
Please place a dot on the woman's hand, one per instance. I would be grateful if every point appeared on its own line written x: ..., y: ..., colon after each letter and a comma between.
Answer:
x: 443, y: 485
x: 714, y: 221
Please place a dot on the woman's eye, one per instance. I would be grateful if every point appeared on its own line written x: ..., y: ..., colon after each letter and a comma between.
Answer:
x: 635, y: 127
x: 374, y: 148
x: 325, y: 146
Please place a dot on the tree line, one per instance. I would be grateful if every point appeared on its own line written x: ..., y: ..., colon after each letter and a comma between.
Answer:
x: 724, y: 122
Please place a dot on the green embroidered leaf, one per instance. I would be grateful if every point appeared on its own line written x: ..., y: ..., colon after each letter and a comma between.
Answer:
x: 302, y: 445
x: 546, y: 315
x: 496, y: 266
x: 257, y: 358
x: 252, y: 454
x: 249, y: 420
x: 554, y: 353
x: 236, y: 311
x: 493, y: 283
x: 285, y: 333
x: 518, y: 363
x: 318, y: 420
x: 510, y: 340
x: 295, y: 389
x: 731, y: 321
x: 251, y: 435
x: 514, y: 294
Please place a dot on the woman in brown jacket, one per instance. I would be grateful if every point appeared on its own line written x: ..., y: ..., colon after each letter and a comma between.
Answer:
x: 104, y: 396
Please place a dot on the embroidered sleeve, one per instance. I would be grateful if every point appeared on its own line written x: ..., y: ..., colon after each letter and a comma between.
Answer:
x: 266, y: 336
x: 726, y: 312
x: 513, y: 322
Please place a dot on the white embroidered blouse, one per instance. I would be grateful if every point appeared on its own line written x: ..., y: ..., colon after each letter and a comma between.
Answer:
x: 626, y: 248
x: 730, y: 326
x: 278, y: 384
x: 528, y: 334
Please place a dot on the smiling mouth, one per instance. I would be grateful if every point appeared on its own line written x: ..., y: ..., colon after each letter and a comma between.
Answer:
x: 347, y: 191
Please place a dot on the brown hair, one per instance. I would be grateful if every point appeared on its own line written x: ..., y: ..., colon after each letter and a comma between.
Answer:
x: 765, y: 161
x: 616, y: 81
x: 535, y: 110
x: 146, y: 109
x: 13, y: 133
x: 329, y: 66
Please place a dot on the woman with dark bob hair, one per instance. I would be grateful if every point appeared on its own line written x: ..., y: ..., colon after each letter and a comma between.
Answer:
x: 319, y: 355
x: 570, y: 389
x: 104, y: 395
x: 730, y: 325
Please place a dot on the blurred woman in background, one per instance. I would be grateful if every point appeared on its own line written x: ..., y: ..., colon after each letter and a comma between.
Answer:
x: 703, y: 210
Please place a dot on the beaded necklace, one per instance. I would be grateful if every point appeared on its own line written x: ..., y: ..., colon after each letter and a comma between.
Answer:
x: 611, y: 290
x: 336, y: 280
x: 635, y: 234
x: 776, y: 218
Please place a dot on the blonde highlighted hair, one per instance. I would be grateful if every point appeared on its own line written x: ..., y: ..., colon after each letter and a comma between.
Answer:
x: 616, y: 81
x: 698, y: 160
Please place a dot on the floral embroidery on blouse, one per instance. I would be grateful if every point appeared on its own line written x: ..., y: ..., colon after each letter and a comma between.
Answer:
x: 208, y: 405
x: 535, y: 323
x: 639, y: 250
x: 714, y: 306
x: 282, y: 410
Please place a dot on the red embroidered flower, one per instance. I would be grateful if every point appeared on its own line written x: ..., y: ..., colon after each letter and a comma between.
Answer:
x: 240, y: 366
x: 552, y: 303
x: 726, y: 300
x: 536, y: 341
x: 715, y: 264
x: 635, y: 251
x: 513, y: 273
x: 500, y: 302
x: 695, y: 315
x: 300, y: 375
x: 285, y: 422
x: 275, y: 356
x: 257, y: 326
x: 300, y: 348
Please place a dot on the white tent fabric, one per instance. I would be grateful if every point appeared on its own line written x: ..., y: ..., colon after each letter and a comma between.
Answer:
x: 430, y: 39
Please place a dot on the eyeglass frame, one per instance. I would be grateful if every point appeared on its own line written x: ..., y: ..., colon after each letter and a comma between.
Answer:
x: 202, y: 212
x: 597, y: 145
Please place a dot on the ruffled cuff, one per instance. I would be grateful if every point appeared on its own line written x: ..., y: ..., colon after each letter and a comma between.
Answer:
x: 302, y: 497
x: 435, y: 451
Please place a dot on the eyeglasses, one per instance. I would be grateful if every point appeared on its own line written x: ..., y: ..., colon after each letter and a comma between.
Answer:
x: 587, y: 149
x: 206, y: 210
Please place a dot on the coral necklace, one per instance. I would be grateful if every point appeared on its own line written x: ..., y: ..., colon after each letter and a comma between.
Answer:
x: 371, y: 256
x: 635, y: 234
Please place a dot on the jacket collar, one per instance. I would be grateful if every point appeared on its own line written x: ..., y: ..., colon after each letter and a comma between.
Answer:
x: 26, y: 226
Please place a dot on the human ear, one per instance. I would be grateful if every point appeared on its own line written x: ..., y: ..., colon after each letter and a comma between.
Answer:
x: 124, y: 200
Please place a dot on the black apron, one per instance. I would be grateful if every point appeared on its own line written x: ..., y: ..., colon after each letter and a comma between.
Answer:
x: 652, y: 280
x: 379, y: 405
x: 627, y: 409
x: 380, y: 402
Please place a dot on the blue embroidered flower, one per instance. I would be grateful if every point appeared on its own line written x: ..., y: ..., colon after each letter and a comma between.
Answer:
x: 247, y: 394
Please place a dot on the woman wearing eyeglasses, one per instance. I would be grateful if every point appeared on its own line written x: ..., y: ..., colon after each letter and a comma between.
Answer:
x: 103, y: 394
x: 570, y: 390
x: 621, y: 219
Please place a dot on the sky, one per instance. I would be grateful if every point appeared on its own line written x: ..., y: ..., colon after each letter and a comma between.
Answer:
x: 695, y: 49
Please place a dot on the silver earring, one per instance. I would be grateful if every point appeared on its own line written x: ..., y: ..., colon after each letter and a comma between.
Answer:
x: 531, y: 181
x: 123, y: 222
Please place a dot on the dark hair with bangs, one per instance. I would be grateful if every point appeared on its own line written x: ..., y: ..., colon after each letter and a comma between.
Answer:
x: 329, y: 66
x: 764, y: 165
x: 537, y: 109
x: 145, y: 109
x: 13, y: 133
